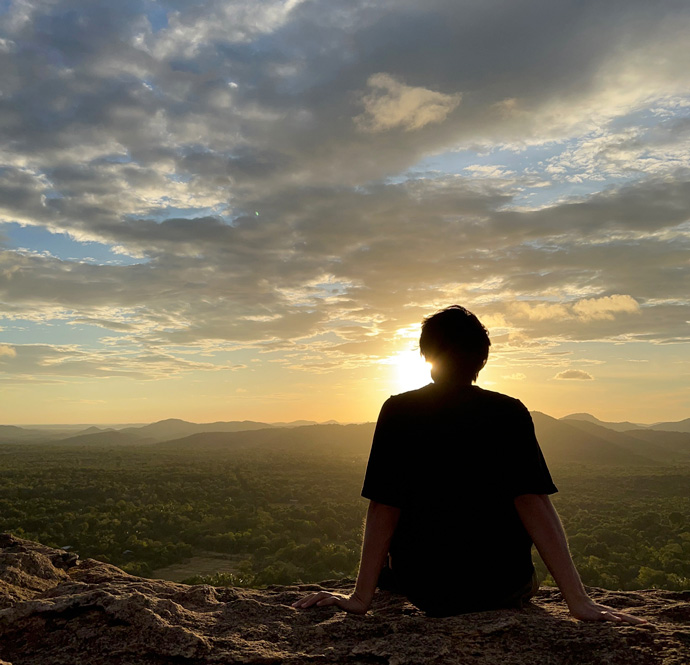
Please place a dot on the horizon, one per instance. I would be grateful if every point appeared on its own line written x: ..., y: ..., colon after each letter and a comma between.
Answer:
x: 306, y: 421
x: 242, y: 210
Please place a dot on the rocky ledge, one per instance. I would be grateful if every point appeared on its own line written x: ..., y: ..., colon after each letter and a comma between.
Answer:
x: 56, y: 609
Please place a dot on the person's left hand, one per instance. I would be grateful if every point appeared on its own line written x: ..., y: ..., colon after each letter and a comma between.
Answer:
x: 354, y: 603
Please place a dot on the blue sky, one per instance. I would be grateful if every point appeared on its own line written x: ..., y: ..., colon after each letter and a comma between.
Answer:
x: 236, y: 209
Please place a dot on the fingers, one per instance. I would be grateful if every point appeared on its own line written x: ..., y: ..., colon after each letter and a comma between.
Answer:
x: 610, y: 616
x: 331, y: 600
x: 629, y: 618
x: 596, y: 612
x: 318, y: 599
x: 309, y: 600
x: 620, y: 617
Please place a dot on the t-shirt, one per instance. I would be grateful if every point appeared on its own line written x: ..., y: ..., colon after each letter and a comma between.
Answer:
x: 453, y: 458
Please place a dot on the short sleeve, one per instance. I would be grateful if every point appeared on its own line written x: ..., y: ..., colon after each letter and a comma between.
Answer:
x: 527, y: 471
x: 384, y: 480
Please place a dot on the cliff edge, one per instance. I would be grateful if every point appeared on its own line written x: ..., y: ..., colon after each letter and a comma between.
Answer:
x: 56, y: 609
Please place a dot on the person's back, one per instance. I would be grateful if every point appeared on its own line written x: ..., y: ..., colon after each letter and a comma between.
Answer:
x: 453, y: 458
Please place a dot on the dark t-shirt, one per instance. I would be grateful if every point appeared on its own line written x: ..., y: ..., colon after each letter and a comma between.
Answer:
x: 453, y: 459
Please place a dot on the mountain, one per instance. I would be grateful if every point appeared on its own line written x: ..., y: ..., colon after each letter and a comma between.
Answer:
x: 13, y: 434
x: 201, y: 434
x: 173, y: 428
x: 95, y: 430
x: 347, y: 439
x: 163, y: 430
x: 296, y: 423
x: 664, y: 447
x: 625, y: 426
x: 575, y: 439
x: 675, y: 444
x: 680, y: 426
x: 104, y: 438
x: 618, y: 427
x: 564, y: 442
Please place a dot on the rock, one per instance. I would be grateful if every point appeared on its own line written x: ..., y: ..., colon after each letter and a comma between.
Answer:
x: 63, y: 611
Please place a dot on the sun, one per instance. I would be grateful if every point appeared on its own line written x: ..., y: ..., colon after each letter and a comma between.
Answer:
x: 410, y: 371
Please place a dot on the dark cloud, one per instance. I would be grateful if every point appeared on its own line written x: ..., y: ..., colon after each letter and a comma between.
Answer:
x: 379, y: 249
x: 251, y: 157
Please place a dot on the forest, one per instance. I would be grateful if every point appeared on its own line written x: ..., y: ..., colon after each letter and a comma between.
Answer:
x: 284, y: 515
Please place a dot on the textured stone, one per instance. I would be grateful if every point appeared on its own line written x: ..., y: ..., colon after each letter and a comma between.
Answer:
x: 58, y: 610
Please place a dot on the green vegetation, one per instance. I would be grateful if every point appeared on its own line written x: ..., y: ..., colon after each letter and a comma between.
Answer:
x: 286, y: 516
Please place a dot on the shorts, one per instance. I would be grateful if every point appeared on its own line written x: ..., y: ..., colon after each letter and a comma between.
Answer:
x: 438, y: 605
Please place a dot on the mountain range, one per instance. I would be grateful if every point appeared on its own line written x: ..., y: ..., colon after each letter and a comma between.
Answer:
x: 679, y: 426
x: 574, y: 439
x: 163, y: 430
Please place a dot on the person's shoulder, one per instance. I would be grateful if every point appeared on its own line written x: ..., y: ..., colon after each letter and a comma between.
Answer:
x: 500, y: 400
x: 425, y: 392
x: 427, y: 398
x: 410, y: 397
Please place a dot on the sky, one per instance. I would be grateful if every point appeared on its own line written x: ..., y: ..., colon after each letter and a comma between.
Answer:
x: 229, y: 210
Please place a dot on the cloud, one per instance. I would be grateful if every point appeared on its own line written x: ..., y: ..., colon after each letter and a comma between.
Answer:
x: 317, y: 257
x: 161, y: 138
x: 606, y: 307
x: 6, y: 350
x: 517, y: 376
x: 392, y: 104
x: 576, y: 374
x: 541, y: 311
x: 661, y: 149
x: 41, y: 363
x: 587, y: 309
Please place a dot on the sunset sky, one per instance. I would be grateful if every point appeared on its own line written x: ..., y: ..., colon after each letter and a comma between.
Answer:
x: 242, y: 210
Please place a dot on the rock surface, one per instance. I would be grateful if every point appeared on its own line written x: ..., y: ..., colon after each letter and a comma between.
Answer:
x: 56, y: 609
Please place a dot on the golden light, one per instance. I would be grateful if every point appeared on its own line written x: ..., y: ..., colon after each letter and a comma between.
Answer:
x: 411, y: 371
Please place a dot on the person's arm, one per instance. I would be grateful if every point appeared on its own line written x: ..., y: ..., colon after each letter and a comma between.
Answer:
x: 380, y: 525
x: 544, y: 527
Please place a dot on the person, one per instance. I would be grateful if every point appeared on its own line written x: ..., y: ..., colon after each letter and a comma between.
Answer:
x: 458, y: 493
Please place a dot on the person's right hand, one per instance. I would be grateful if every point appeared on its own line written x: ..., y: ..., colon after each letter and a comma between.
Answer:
x: 354, y: 603
x: 588, y: 610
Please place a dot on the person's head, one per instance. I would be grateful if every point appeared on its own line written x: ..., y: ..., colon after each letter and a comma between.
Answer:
x: 455, y: 343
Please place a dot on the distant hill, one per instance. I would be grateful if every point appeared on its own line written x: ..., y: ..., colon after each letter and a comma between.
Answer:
x: 575, y: 439
x: 95, y: 430
x: 302, y: 423
x: 625, y: 426
x: 680, y: 426
x: 347, y: 439
x: 13, y: 434
x: 618, y: 427
x: 103, y: 438
x: 675, y: 444
x: 163, y: 430
x: 173, y: 428
x: 660, y: 446
x: 564, y: 442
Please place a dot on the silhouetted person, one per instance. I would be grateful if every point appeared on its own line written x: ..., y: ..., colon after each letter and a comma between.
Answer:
x: 459, y: 492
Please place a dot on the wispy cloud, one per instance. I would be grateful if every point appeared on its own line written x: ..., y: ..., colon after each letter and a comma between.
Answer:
x: 574, y: 374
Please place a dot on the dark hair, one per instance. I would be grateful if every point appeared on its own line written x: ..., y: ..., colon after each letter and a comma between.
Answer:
x: 455, y: 338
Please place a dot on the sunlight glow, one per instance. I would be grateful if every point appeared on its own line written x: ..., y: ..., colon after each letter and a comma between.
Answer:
x: 410, y: 371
